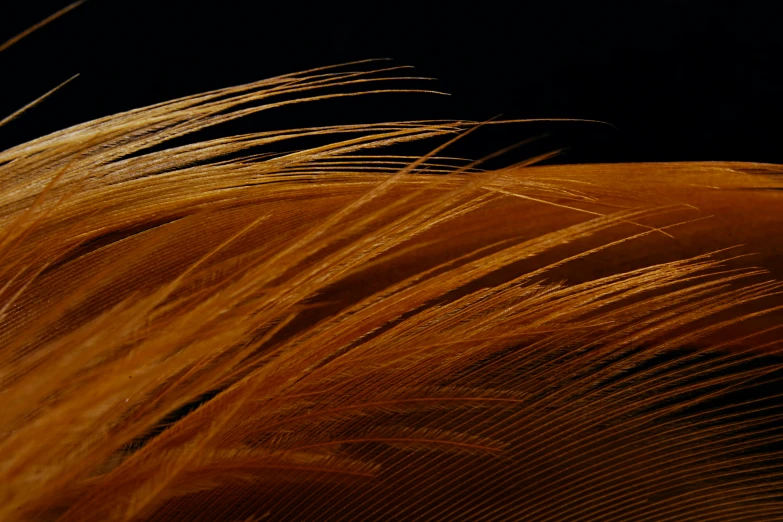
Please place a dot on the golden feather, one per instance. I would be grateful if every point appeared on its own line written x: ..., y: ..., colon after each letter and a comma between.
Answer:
x: 206, y: 332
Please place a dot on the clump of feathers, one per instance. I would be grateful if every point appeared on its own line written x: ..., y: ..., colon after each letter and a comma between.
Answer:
x: 204, y: 331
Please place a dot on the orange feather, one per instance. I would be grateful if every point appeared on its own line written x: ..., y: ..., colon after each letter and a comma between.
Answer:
x: 204, y: 332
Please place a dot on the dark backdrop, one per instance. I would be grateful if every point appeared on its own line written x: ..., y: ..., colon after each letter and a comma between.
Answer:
x: 678, y: 80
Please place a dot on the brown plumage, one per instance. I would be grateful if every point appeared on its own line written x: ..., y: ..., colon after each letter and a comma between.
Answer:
x: 210, y: 332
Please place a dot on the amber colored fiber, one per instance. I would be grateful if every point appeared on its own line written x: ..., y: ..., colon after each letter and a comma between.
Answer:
x: 207, y: 332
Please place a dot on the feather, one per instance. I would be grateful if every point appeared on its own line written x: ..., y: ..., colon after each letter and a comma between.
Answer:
x: 213, y: 331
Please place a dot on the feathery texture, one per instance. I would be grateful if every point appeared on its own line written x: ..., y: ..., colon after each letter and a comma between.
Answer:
x: 217, y: 330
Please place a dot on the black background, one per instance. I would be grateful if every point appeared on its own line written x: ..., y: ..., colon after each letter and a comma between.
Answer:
x: 678, y: 80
